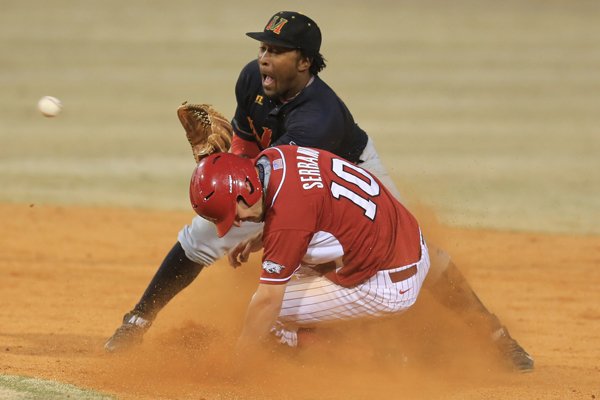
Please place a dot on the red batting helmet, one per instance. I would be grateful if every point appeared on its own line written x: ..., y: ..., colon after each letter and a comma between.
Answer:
x: 218, y: 182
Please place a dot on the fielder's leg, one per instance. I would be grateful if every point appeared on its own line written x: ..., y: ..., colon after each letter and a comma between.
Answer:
x: 198, y: 246
x: 448, y: 286
x: 174, y: 274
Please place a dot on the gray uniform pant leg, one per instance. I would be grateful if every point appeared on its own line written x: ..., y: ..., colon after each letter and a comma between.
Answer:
x: 372, y: 163
x: 201, y: 244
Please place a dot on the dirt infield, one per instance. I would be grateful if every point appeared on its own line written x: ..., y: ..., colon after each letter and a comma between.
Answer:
x: 485, y: 111
x: 68, y: 274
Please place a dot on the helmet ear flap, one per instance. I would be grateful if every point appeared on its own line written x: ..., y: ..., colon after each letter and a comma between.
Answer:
x: 253, y: 189
x: 250, y: 186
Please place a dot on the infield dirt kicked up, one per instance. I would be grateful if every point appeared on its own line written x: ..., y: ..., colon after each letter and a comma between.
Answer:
x: 69, y: 274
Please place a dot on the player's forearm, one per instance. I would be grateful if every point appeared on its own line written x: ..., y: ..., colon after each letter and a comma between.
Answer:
x: 262, y: 312
x: 259, y: 319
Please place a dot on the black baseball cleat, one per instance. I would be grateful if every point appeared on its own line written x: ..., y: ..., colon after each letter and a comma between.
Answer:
x: 515, y: 355
x: 129, y: 334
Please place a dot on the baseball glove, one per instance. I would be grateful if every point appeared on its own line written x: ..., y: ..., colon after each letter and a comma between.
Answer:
x: 207, y: 130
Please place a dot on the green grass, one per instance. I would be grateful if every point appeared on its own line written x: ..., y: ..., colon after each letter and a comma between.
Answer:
x: 25, y: 388
x: 486, y: 111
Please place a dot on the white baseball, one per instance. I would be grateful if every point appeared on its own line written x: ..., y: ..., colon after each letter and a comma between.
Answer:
x: 49, y: 106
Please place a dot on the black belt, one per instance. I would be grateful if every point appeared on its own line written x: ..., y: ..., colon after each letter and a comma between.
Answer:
x: 403, y: 274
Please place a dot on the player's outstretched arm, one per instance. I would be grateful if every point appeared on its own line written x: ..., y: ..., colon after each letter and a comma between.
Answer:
x: 262, y: 312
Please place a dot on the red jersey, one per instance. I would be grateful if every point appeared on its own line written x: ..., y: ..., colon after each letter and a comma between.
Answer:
x: 322, y: 208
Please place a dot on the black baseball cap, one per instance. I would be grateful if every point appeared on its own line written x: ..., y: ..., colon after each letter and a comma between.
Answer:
x: 292, y: 30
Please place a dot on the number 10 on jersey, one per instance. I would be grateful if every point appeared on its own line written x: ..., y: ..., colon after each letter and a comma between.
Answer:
x: 358, y: 187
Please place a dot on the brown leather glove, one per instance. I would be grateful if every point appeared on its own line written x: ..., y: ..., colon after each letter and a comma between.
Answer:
x: 207, y: 130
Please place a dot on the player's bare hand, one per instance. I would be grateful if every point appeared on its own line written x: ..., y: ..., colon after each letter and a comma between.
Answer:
x: 241, y: 252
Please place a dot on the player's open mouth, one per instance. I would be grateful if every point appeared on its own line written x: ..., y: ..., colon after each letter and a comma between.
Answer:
x: 268, y: 80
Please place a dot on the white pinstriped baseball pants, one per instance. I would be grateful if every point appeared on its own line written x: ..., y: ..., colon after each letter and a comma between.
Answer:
x: 309, y: 300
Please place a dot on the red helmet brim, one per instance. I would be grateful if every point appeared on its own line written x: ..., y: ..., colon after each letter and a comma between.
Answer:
x: 226, y: 223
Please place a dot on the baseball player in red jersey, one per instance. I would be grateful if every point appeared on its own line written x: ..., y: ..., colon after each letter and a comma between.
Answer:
x: 320, y: 212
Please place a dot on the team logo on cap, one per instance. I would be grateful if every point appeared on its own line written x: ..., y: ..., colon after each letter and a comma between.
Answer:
x: 275, y: 24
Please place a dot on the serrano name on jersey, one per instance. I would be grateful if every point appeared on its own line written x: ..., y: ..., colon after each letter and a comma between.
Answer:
x: 308, y: 168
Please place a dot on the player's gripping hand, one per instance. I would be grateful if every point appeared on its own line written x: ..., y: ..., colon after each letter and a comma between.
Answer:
x: 241, y: 252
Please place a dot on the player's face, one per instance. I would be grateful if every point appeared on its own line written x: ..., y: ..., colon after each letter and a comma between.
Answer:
x: 244, y: 212
x: 284, y: 71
